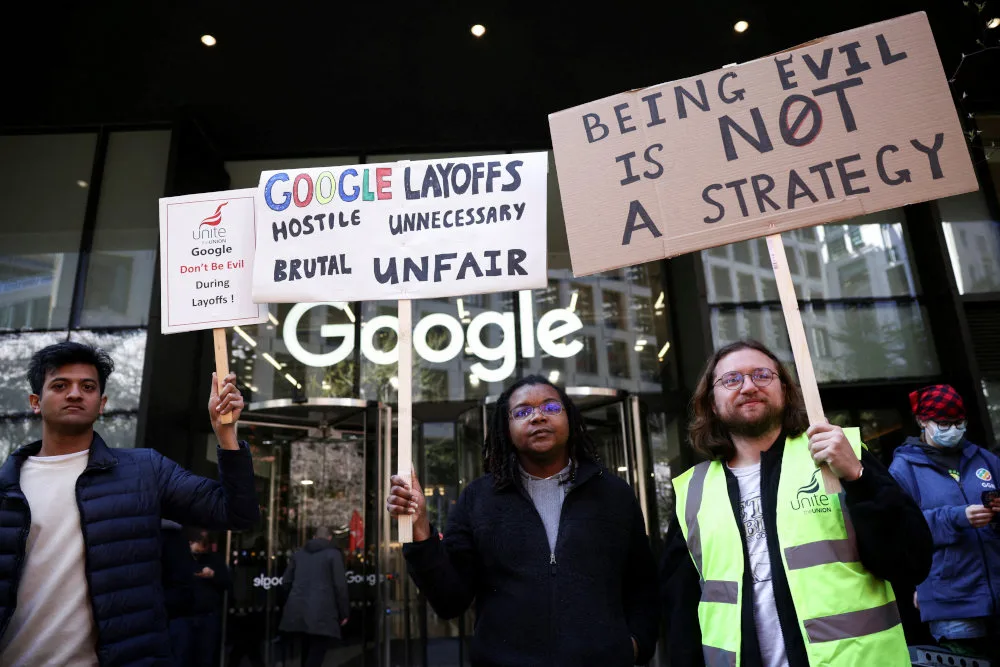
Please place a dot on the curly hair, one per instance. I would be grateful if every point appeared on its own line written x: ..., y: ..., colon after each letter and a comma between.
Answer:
x: 500, y: 455
x: 708, y: 435
x: 56, y: 356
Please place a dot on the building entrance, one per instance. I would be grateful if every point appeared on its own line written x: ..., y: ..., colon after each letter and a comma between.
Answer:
x: 327, y: 461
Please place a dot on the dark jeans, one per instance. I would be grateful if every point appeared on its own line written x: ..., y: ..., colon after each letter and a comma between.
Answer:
x: 313, y: 648
x: 195, y: 640
x: 245, y: 634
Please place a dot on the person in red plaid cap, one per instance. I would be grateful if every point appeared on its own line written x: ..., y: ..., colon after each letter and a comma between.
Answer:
x: 955, y: 483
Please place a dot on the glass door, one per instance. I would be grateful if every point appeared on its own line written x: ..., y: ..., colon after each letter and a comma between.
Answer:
x: 316, y: 463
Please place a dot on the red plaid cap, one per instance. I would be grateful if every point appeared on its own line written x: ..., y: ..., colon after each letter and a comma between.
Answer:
x: 939, y: 402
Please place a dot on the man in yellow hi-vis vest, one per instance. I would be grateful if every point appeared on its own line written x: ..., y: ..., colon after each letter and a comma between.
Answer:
x: 761, y: 566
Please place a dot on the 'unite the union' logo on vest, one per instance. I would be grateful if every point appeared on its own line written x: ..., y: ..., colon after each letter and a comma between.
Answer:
x: 808, y: 498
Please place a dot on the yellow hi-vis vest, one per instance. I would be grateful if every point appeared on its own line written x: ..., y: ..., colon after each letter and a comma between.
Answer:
x: 846, y: 615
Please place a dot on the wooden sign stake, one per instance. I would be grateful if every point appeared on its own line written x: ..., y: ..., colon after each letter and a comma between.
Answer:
x: 222, y: 366
x: 404, y: 402
x: 800, y: 348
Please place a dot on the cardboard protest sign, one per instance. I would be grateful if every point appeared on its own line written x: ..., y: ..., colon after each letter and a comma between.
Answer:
x: 849, y: 124
x: 207, y: 248
x: 402, y: 230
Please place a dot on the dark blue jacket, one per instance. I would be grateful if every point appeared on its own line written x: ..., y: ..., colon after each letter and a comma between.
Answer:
x: 965, y: 578
x: 121, y: 496
x: 577, y: 607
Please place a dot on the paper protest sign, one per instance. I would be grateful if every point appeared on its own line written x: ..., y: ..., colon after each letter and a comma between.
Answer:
x: 402, y: 230
x: 846, y: 125
x: 206, y: 254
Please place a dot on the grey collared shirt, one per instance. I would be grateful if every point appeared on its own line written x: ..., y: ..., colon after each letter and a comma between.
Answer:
x: 548, y: 495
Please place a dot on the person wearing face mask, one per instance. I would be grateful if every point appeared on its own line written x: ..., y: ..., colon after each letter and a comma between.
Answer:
x: 948, y: 476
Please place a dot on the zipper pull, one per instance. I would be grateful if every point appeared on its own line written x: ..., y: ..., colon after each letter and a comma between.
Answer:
x: 552, y: 563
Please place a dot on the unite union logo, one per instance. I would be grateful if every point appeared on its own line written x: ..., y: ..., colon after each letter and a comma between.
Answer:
x: 808, y: 499
x: 210, y: 229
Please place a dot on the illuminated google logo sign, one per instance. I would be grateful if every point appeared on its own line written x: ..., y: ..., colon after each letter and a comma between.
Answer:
x: 553, y: 326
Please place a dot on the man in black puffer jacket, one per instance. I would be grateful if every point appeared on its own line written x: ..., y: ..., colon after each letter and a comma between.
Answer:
x: 80, y: 542
x: 552, y: 547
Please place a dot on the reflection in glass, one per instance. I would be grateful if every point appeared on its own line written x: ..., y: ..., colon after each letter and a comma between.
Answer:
x: 866, y: 258
x: 991, y: 392
x: 120, y: 273
x: 882, y: 340
x: 618, y: 359
x: 43, y: 193
x: 15, y: 354
x: 128, y: 350
x: 973, y: 239
x: 15, y: 432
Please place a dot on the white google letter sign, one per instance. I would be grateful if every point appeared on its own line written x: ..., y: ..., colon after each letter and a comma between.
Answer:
x: 553, y: 327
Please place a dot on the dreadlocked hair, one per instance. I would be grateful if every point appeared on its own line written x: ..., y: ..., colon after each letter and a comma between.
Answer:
x: 500, y: 455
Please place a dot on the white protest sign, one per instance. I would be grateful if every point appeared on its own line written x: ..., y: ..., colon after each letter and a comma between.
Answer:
x: 206, y: 254
x: 402, y: 230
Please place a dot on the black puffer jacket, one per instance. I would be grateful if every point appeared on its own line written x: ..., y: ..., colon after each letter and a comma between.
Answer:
x: 578, y: 607
x: 317, y: 590
x: 121, y: 496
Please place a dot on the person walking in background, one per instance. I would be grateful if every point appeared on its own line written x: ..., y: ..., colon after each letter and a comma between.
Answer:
x: 178, y: 587
x: 950, y: 478
x: 550, y: 546
x: 211, y: 581
x: 317, y: 604
x: 761, y: 566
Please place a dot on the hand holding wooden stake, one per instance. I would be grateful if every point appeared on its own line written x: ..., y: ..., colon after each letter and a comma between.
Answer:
x: 404, y: 398
x: 222, y: 365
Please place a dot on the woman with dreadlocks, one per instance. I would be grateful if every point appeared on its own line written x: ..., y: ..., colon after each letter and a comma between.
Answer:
x: 551, y: 547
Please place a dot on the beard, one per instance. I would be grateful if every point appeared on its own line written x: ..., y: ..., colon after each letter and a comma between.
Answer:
x: 753, y: 427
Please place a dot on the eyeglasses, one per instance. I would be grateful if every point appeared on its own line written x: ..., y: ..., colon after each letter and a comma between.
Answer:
x: 733, y: 380
x: 548, y: 408
x: 946, y: 425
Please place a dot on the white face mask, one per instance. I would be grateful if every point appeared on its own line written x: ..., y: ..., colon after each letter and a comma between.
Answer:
x: 945, y: 437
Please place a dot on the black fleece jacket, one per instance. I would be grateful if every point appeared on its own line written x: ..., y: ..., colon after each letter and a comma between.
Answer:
x: 893, y: 540
x: 577, y: 607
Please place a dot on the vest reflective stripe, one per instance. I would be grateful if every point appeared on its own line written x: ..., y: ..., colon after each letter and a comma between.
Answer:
x: 721, y: 594
x: 846, y: 615
x: 720, y: 591
x: 696, y: 491
x: 821, y: 553
x: 717, y: 657
x: 852, y: 624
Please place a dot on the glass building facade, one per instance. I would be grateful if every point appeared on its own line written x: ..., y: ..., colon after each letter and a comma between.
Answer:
x: 890, y: 301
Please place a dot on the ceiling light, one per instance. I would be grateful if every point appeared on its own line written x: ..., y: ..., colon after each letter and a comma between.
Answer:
x: 554, y: 376
x: 271, y: 360
x: 741, y: 26
x: 663, y: 351
x: 208, y: 40
x: 394, y: 381
x: 572, y: 301
x: 622, y: 468
x: 82, y: 184
x: 993, y: 23
x: 307, y: 482
x: 245, y: 336
x: 478, y: 30
x: 473, y: 379
x: 274, y: 320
